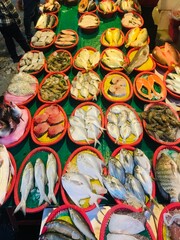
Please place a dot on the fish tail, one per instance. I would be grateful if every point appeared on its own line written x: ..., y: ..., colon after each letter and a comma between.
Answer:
x: 96, y: 141
x: 94, y: 198
x: 43, y: 197
x: 52, y: 197
x: 21, y: 206
x: 128, y: 69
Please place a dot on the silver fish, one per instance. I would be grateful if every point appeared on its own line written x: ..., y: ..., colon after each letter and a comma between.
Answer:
x: 93, y: 132
x: 125, y: 131
x: 78, y: 134
x: 116, y: 169
x: 112, y: 118
x: 140, y: 57
x: 141, y: 159
x: 81, y: 224
x: 136, y: 128
x: 126, y: 159
x: 113, y: 131
x: 93, y: 111
x: 76, y: 122
x: 27, y: 185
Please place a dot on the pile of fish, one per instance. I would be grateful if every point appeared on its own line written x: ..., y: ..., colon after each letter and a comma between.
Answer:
x: 6, y: 173
x: 126, y: 225
x: 86, y: 6
x: 58, y: 61
x: 10, y: 115
x: 123, y: 125
x: 172, y: 223
x: 119, y: 86
x: 128, y: 5
x: 85, y: 85
x: 54, y: 87
x: 129, y: 178
x: 161, y: 123
x: 88, y: 21
x: 131, y: 20
x: 45, y: 21
x: 85, y: 124
x: 167, y: 174
x: 32, y: 61
x: 87, y: 59
x: 73, y: 227
x: 66, y: 38
x: 140, y: 57
x: 107, y: 6
x: 49, y: 6
x: 38, y: 176
x: 137, y: 37
x: 113, y: 58
x: 42, y: 38
x: 167, y: 55
x: 22, y: 84
x: 112, y: 36
x: 173, y: 80
x: 49, y: 123
x: 83, y: 179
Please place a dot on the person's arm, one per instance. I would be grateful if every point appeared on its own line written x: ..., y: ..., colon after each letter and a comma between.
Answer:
x: 12, y: 10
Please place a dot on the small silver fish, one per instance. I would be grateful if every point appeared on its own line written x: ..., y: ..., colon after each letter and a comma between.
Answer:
x: 141, y: 159
x: 116, y: 169
x: 126, y: 159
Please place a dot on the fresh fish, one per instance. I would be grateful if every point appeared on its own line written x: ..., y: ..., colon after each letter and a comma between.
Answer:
x: 53, y: 236
x: 125, y: 131
x: 141, y: 159
x: 93, y: 111
x: 78, y: 187
x: 94, y: 58
x: 140, y: 57
x: 124, y: 224
x: 136, y: 128
x: 65, y: 228
x: 141, y: 39
x: 122, y: 117
x: 168, y: 177
x: 116, y: 169
x: 80, y: 113
x: 112, y: 62
x: 112, y: 118
x: 52, y: 177
x: 93, y: 132
x: 40, y: 180
x: 113, y: 131
x: 81, y: 63
x: 27, y: 184
x: 135, y: 187
x: 76, y: 122
x: 81, y: 224
x: 132, y: 36
x: 84, y: 92
x: 6, y: 169
x: 126, y: 159
x: 79, y: 134
x: 95, y: 121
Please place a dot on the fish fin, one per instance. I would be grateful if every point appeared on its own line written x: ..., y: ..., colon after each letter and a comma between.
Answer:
x: 94, y: 198
x: 43, y: 197
x: 96, y: 141
x: 51, y: 196
x: 21, y: 206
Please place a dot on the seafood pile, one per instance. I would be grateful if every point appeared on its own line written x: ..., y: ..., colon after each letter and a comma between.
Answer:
x: 85, y: 85
x: 87, y: 59
x: 58, y: 61
x: 49, y: 6
x: 86, y: 6
x: 42, y: 38
x: 66, y: 38
x: 88, y: 21
x: 32, y: 61
x: 38, y: 175
x: 49, y: 123
x: 150, y: 86
x: 82, y: 180
x: 107, y: 6
x: 131, y: 20
x: 172, y: 223
x: 54, y: 87
x: 161, y: 123
x: 71, y: 226
x: 128, y: 5
x: 167, y: 55
x: 86, y: 124
x: 140, y: 57
x: 129, y: 178
x: 113, y: 58
x: 45, y: 21
x: 173, y: 80
x: 112, y: 37
x: 137, y: 37
x: 124, y: 224
x: 167, y: 174
x: 123, y: 125
x: 6, y: 173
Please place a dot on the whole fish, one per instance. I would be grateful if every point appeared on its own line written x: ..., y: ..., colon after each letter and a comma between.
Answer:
x: 141, y: 159
x: 81, y: 224
x: 116, y: 169
x: 168, y: 177
x: 6, y: 169
x: 140, y: 57
x: 79, y: 134
x: 76, y: 121
x: 53, y: 236
x: 78, y: 187
x: 93, y: 111
x: 132, y: 36
x: 52, y: 177
x: 125, y: 131
x: 40, y: 180
x: 93, y: 132
x: 126, y: 159
x: 27, y: 184
x: 65, y: 228
x: 113, y: 131
x: 136, y: 128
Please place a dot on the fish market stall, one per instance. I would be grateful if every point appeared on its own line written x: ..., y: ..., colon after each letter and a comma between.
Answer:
x: 75, y: 128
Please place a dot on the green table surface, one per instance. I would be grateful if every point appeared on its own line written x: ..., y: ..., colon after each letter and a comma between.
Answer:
x: 68, y: 19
